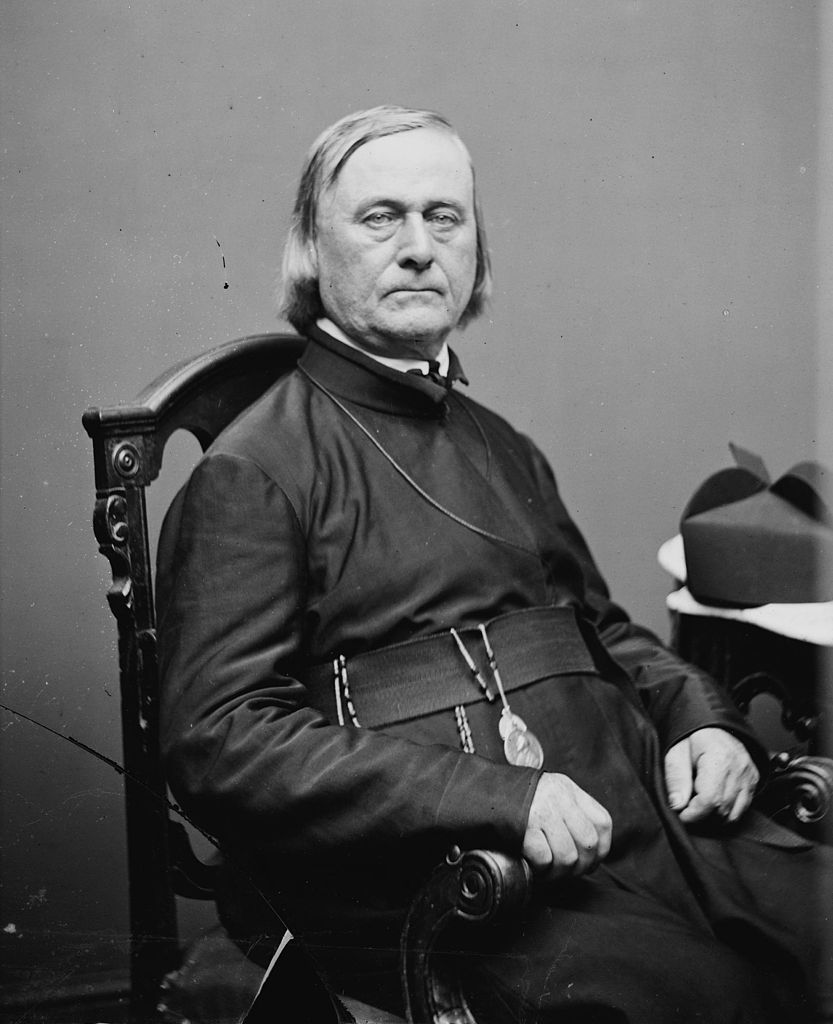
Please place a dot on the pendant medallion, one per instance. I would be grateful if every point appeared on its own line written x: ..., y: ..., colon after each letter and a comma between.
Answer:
x: 520, y: 746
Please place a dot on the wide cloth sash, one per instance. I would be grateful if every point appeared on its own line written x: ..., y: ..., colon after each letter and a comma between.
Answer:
x: 421, y: 677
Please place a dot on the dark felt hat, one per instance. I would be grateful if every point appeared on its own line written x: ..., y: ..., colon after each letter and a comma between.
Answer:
x: 751, y: 542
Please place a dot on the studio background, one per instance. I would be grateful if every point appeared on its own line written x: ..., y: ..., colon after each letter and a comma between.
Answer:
x: 650, y: 174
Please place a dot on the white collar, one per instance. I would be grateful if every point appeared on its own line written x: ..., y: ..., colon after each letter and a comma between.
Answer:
x: 402, y: 365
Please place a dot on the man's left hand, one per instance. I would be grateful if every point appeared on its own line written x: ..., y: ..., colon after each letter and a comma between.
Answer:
x: 710, y: 772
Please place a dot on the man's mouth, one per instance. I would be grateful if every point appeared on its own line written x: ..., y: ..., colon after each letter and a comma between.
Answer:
x: 415, y: 291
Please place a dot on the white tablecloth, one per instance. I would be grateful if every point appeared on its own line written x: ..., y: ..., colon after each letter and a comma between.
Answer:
x: 812, y: 623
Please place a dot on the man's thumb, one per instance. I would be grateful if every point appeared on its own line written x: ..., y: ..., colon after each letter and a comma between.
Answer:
x: 678, y: 780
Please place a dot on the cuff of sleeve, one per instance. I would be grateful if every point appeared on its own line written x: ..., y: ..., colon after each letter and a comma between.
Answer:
x: 487, y: 804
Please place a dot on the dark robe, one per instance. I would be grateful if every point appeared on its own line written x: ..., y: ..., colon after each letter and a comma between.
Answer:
x: 299, y: 540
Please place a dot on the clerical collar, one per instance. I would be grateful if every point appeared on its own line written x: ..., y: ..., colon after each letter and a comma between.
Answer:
x: 353, y: 375
x: 403, y: 365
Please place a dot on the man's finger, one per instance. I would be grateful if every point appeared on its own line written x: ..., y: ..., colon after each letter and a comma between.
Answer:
x: 715, y: 784
x: 583, y: 837
x: 537, y: 850
x: 568, y: 858
x: 601, y: 821
x: 742, y: 804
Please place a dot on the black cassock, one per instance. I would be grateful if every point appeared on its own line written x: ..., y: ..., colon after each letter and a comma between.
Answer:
x: 353, y: 508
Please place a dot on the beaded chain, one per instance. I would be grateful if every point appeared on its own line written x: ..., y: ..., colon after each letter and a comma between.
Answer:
x: 464, y: 729
x: 342, y: 687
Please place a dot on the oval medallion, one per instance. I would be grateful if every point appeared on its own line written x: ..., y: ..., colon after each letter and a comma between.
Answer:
x: 521, y: 748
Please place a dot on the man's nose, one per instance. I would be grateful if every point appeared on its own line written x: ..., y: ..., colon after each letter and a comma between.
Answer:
x: 416, y: 247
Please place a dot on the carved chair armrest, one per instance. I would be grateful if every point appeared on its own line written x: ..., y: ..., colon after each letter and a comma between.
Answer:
x: 476, y: 887
x: 798, y: 792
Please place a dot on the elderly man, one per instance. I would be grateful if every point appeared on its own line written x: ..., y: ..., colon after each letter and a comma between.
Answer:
x: 381, y: 634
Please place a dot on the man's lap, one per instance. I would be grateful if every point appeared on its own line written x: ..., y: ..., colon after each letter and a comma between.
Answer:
x: 605, y: 954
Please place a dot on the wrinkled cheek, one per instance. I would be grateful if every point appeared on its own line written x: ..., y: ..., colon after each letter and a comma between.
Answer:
x: 466, y: 290
x: 341, y: 289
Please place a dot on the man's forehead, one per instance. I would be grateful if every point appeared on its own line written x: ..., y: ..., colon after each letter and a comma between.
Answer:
x: 421, y: 156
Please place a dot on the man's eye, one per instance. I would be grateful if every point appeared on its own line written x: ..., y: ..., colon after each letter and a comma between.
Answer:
x: 443, y: 219
x: 379, y: 218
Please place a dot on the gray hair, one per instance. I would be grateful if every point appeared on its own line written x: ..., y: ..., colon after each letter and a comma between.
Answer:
x: 298, y: 298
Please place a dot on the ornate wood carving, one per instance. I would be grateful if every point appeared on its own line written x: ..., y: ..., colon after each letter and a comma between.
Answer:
x: 797, y: 711
x: 799, y: 791
x: 112, y: 532
x: 476, y: 887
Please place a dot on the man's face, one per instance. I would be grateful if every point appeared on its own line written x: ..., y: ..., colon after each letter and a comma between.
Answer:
x: 397, y: 243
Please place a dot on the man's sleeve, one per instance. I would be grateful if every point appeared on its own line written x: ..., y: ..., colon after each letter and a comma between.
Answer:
x: 245, y: 753
x: 678, y: 697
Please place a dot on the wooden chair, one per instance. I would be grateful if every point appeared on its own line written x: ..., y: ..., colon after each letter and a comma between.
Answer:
x: 202, y: 395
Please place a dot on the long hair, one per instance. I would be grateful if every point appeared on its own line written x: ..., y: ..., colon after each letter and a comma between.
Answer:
x: 298, y: 296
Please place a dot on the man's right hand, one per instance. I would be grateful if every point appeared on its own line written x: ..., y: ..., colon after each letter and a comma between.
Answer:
x: 567, y: 832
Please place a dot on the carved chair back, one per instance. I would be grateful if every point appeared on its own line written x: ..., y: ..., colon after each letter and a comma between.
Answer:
x: 200, y: 395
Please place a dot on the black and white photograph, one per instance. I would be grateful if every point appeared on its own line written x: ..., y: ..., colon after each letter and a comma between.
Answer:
x: 416, y: 512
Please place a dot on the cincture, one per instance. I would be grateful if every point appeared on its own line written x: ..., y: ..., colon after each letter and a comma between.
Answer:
x: 423, y: 676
